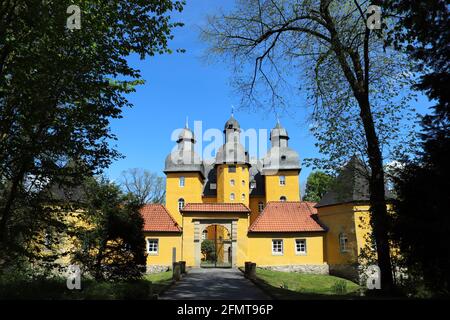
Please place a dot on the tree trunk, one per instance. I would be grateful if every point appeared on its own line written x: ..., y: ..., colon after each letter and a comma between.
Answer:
x: 379, y: 215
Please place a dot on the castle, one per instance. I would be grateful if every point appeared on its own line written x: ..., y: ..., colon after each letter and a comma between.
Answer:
x: 234, y: 210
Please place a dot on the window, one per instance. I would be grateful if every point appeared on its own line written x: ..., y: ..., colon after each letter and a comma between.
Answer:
x: 232, y: 196
x: 277, y: 247
x: 205, y: 234
x: 180, y: 204
x: 283, y: 157
x: 282, y: 198
x: 152, y: 246
x: 232, y: 169
x: 243, y: 183
x: 343, y: 242
x: 243, y: 197
x: 181, y: 181
x: 282, y: 180
x: 232, y: 182
x: 300, y: 246
x: 253, y: 185
x: 260, y: 206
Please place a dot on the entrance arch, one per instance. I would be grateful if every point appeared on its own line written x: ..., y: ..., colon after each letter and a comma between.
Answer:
x: 216, y: 247
x: 222, y: 235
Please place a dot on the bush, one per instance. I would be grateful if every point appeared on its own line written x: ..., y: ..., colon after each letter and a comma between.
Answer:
x: 339, y: 287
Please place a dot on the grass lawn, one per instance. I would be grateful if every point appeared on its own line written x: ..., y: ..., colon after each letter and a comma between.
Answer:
x: 159, y: 281
x: 56, y: 289
x: 292, y: 285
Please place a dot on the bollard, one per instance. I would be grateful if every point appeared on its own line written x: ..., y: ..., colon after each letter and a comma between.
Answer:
x: 252, y: 271
x: 183, y: 266
x: 247, y: 268
x: 176, y: 271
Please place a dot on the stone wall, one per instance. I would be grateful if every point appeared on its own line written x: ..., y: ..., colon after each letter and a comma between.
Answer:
x: 300, y: 268
x: 347, y: 271
x: 157, y: 268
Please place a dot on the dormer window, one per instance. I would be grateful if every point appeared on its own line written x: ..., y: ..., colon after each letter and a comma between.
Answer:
x: 232, y: 169
x: 260, y: 206
x: 180, y: 204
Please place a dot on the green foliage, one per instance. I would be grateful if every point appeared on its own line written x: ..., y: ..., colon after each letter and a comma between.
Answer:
x: 59, y: 90
x: 339, y: 287
x: 112, y: 246
x: 422, y: 184
x: 317, y: 185
x: 208, y: 249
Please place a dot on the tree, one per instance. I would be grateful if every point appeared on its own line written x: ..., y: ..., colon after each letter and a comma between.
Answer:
x: 59, y: 89
x: 317, y: 185
x: 350, y: 79
x: 146, y: 186
x: 421, y: 224
x: 208, y: 250
x: 112, y: 247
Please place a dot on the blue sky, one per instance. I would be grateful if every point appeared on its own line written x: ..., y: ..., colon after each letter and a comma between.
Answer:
x: 181, y: 85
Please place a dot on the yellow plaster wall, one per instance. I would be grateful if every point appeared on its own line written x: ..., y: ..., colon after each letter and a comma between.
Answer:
x: 260, y: 249
x: 254, y: 207
x: 224, y: 187
x: 291, y: 190
x: 166, y: 241
x: 191, y: 192
x: 339, y: 219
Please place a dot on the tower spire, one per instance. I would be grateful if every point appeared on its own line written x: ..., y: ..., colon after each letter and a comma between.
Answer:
x: 232, y: 110
x: 187, y: 122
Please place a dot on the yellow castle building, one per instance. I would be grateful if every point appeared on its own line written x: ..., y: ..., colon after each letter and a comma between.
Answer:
x: 234, y: 210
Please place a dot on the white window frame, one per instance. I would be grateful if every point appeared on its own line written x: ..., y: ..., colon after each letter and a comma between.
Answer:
x: 282, y: 180
x: 277, y: 253
x: 232, y: 196
x: 297, y: 251
x: 181, y: 201
x: 182, y: 182
x: 153, y: 253
x: 343, y: 245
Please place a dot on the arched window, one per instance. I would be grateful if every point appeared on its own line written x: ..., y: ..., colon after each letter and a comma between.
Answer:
x: 232, y: 196
x: 243, y: 197
x: 232, y: 182
x: 343, y: 242
x: 243, y: 183
x: 260, y: 206
x: 181, y: 181
x: 282, y: 180
x: 180, y: 204
x: 283, y: 198
x: 205, y: 234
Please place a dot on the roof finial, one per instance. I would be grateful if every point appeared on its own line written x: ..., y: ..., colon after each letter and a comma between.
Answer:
x: 187, y: 123
x: 232, y: 110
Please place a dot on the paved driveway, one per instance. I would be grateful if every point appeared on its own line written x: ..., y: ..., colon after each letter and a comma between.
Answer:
x: 214, y: 284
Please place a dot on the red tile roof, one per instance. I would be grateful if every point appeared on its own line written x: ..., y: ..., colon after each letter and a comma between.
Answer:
x: 215, y: 207
x: 289, y: 216
x: 157, y: 218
